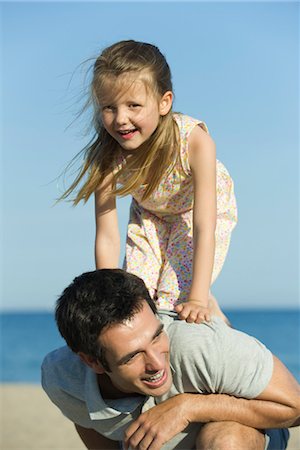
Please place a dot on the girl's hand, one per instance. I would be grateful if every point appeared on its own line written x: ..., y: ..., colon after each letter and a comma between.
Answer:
x: 193, y: 311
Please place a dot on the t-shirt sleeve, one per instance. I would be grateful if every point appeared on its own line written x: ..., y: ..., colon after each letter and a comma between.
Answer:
x: 214, y: 358
x: 55, y: 386
x: 73, y: 388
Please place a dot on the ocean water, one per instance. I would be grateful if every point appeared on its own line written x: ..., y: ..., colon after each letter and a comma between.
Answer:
x: 27, y: 337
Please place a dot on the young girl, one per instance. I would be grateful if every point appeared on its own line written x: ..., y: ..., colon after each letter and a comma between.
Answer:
x: 183, y: 206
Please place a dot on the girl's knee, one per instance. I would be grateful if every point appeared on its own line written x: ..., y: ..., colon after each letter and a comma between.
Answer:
x: 215, y: 309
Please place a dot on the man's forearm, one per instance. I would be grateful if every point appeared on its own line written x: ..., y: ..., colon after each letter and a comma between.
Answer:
x: 253, y: 413
x: 165, y: 420
x: 278, y: 406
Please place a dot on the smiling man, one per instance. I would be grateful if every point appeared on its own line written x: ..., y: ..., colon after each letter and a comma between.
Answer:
x: 129, y: 377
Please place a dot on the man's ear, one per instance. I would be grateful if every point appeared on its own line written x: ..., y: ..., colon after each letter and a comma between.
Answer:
x: 91, y: 362
x: 165, y: 103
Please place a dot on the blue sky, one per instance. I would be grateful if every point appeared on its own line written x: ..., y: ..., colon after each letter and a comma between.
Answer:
x: 234, y: 65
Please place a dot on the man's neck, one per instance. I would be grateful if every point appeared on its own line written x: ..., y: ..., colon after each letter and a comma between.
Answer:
x: 109, y: 391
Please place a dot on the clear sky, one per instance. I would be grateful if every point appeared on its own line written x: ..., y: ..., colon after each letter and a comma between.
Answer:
x: 235, y: 66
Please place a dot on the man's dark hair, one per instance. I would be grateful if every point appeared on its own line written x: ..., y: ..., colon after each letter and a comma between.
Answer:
x: 96, y: 300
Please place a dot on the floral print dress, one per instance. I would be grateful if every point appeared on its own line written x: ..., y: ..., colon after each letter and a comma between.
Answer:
x: 159, y: 246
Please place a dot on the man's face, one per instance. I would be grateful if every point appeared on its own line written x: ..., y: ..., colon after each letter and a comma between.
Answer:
x: 137, y: 352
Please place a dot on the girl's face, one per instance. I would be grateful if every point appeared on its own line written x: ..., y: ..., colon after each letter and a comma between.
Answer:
x: 130, y: 112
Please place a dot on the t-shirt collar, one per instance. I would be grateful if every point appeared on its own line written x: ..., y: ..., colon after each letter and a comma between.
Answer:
x: 99, y: 409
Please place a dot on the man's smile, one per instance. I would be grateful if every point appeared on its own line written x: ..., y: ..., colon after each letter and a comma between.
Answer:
x: 156, y: 380
x: 139, y: 354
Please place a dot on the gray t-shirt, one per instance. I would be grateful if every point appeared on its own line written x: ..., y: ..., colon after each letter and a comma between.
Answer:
x: 206, y: 358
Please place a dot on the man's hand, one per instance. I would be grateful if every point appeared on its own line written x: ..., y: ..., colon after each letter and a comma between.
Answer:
x: 158, y: 425
x: 193, y: 311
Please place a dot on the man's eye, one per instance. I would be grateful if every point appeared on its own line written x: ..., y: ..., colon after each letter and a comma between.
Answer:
x: 130, y: 359
x: 158, y: 335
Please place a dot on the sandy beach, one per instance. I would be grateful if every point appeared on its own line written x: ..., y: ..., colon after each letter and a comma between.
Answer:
x: 30, y: 421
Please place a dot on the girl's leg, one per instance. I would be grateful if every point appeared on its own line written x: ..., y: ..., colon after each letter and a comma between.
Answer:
x: 176, y: 275
x: 222, y: 242
x: 144, y: 247
x: 226, y: 217
x: 215, y: 309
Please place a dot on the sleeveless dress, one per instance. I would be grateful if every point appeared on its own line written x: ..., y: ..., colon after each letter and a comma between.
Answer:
x: 159, y: 246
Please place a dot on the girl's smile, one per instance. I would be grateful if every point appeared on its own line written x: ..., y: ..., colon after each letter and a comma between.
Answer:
x: 128, y: 134
x: 130, y: 114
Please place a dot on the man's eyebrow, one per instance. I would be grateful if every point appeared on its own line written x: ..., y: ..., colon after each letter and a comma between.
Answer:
x: 127, y: 357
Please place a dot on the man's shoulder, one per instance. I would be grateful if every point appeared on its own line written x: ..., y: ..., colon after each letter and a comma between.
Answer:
x: 183, y: 333
x: 61, y: 355
x: 62, y: 365
x: 209, y: 337
x: 67, y: 381
x: 207, y: 343
x: 215, y: 358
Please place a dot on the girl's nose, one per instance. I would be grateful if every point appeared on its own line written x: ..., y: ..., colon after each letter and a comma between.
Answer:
x: 121, y: 117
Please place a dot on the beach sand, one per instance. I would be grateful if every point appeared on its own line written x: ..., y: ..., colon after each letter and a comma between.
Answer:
x: 30, y: 421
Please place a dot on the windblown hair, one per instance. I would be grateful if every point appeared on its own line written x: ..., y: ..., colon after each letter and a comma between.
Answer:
x: 97, y: 300
x: 157, y: 155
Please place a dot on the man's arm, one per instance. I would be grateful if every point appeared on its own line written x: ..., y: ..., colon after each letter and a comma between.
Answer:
x: 95, y: 441
x: 278, y: 406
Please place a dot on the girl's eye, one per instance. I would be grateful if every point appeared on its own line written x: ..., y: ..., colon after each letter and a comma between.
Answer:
x: 134, y: 105
x: 107, y: 108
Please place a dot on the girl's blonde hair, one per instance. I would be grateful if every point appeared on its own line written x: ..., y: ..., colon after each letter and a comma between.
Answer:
x: 157, y: 155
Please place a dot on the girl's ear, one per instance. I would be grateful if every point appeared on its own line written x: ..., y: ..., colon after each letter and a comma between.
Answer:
x: 91, y: 362
x: 165, y: 103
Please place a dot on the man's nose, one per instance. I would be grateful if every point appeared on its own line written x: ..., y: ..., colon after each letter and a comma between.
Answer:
x: 154, y: 361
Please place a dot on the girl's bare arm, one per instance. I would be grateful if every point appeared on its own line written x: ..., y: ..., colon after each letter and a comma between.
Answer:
x: 202, y: 159
x: 107, y: 242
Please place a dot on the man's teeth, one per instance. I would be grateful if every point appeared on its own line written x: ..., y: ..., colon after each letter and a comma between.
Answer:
x: 156, y: 377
